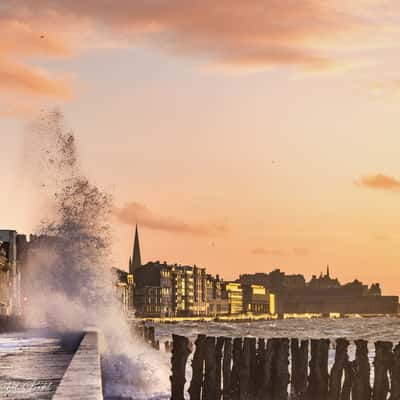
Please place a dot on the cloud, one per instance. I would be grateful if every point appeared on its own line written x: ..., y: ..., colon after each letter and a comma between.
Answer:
x: 32, y: 81
x: 134, y: 212
x: 380, y: 182
x: 309, y: 35
x: 303, y: 33
x: 261, y: 251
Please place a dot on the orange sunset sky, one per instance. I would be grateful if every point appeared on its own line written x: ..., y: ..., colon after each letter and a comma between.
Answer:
x: 241, y: 135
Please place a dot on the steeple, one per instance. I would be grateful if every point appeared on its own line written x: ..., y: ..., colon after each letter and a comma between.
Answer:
x: 327, y: 271
x: 136, y: 260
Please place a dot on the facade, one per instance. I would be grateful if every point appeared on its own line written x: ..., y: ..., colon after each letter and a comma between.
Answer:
x: 122, y: 288
x: 233, y: 293
x: 10, y: 274
x: 255, y: 299
x: 216, y: 304
x: 200, y: 291
x: 154, y: 291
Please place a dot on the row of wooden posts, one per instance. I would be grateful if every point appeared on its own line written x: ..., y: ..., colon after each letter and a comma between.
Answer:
x: 149, y: 335
x: 247, y: 369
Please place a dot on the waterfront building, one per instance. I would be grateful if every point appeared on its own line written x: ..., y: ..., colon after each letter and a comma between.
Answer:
x: 122, y: 288
x: 200, y: 291
x: 153, y: 295
x: 233, y: 292
x: 10, y: 274
x: 255, y: 299
x: 216, y: 304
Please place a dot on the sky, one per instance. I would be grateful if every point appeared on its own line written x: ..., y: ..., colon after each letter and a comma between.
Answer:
x: 240, y: 135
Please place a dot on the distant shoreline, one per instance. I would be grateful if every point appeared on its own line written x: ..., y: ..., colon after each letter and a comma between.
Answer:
x: 260, y: 317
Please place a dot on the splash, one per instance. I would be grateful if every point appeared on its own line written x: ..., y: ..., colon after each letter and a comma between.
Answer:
x: 71, y: 258
x: 70, y: 278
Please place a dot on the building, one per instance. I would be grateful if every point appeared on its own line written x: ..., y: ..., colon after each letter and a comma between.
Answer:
x: 233, y: 293
x: 216, y: 304
x: 200, y: 291
x: 275, y: 280
x: 255, y: 299
x: 154, y: 291
x: 10, y: 274
x: 122, y: 288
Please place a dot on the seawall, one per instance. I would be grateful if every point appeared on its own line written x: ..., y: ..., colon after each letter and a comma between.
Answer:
x: 82, y: 379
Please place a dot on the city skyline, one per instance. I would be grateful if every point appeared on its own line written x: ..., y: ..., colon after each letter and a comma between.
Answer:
x: 271, y: 144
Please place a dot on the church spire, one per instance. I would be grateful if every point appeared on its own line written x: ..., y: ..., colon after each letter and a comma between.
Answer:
x: 327, y: 271
x: 136, y: 260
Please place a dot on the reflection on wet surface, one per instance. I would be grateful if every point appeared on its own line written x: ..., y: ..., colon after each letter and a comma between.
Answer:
x: 33, y: 363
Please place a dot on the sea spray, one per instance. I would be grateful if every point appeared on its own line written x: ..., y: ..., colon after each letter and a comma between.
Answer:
x: 69, y: 269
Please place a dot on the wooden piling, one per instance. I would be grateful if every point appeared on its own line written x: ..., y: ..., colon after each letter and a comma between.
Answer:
x: 382, y: 363
x: 281, y: 371
x: 318, y: 378
x: 395, y: 374
x: 218, y: 360
x: 299, y: 369
x: 151, y: 338
x: 362, y: 371
x: 227, y: 369
x: 244, y: 372
x: 335, y: 380
x: 267, y: 382
x: 180, y: 354
x: 210, y: 375
x: 349, y: 373
x: 235, y: 374
x: 197, y: 368
x: 259, y: 373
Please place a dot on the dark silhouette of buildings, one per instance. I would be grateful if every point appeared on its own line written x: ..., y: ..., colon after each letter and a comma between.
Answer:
x: 322, y: 295
x: 171, y: 290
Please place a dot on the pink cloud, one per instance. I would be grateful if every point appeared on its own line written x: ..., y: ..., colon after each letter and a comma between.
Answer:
x: 136, y: 213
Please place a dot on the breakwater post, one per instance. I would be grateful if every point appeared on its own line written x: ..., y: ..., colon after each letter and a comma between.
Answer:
x: 247, y: 369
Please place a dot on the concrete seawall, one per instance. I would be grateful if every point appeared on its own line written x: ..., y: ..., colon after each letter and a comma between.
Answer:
x: 82, y: 379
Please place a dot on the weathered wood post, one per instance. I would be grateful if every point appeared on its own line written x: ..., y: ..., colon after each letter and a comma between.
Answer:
x: 180, y: 353
x: 349, y: 373
x: 210, y: 375
x: 235, y: 375
x: 260, y: 365
x: 266, y: 389
x: 151, y: 332
x: 147, y: 333
x: 281, y: 378
x: 395, y: 374
x: 299, y: 368
x: 218, y: 360
x: 362, y: 370
x: 341, y: 358
x: 197, y: 368
x: 244, y: 372
x: 226, y: 369
x: 318, y: 378
x: 382, y: 363
x: 253, y: 366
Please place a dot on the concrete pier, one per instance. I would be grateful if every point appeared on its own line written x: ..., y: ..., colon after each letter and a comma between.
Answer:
x: 82, y: 380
